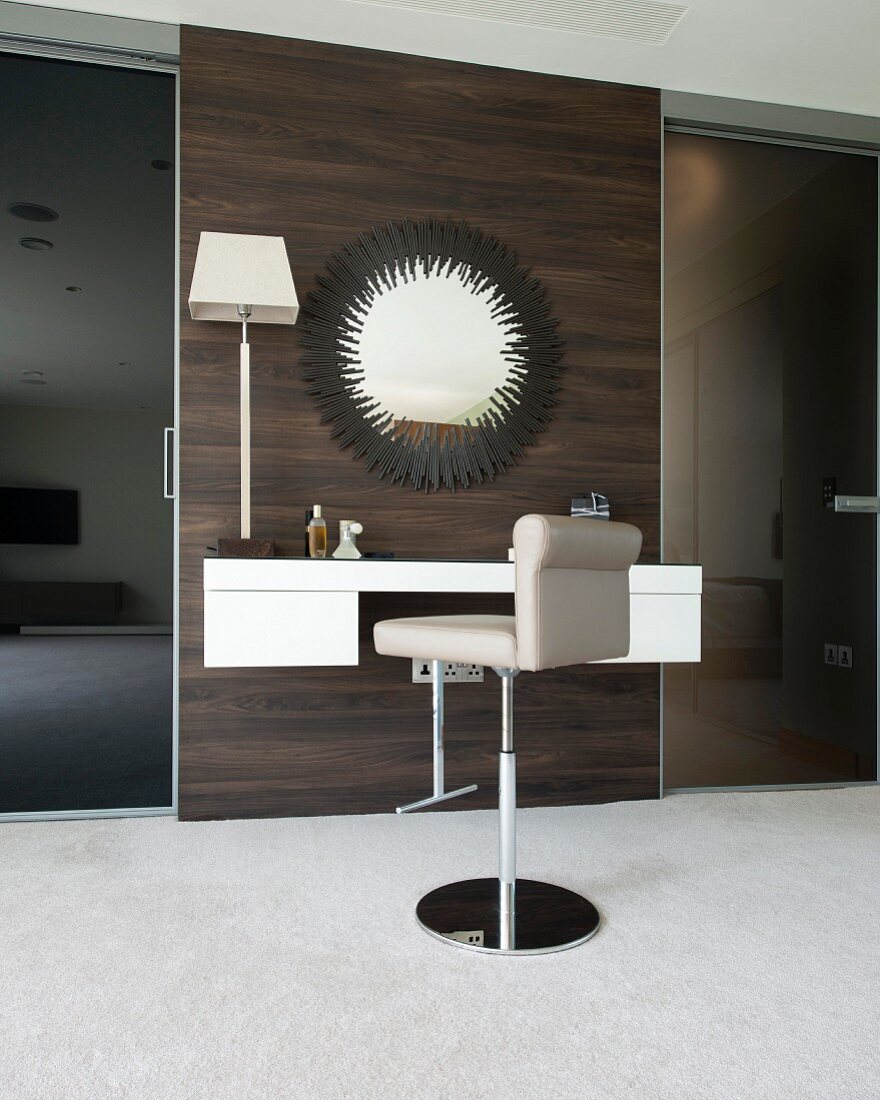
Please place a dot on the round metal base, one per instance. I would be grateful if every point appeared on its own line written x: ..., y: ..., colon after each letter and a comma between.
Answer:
x: 548, y: 918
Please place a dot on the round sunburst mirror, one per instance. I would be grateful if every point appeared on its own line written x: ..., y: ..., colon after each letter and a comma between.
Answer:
x: 432, y: 353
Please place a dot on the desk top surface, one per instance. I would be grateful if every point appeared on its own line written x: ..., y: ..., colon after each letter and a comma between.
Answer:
x: 409, y: 575
x: 422, y: 561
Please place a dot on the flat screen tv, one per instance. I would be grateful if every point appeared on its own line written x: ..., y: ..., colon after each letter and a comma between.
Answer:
x: 48, y: 516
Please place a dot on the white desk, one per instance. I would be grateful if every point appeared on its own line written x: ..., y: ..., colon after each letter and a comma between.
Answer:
x: 273, y: 612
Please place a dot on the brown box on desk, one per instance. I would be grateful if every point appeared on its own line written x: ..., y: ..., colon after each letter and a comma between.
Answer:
x: 245, y: 548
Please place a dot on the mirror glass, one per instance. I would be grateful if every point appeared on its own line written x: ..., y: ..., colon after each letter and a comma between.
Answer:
x: 431, y: 350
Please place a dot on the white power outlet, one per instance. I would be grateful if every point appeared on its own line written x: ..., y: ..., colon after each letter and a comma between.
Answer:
x: 841, y: 656
x: 453, y: 672
x: 423, y: 672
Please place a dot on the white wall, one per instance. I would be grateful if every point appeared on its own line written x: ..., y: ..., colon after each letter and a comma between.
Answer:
x: 114, y: 460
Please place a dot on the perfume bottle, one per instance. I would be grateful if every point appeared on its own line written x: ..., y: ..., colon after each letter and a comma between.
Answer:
x: 309, y: 514
x: 348, y: 530
x: 317, y: 534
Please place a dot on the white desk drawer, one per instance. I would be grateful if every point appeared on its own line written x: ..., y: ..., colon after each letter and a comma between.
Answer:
x: 663, y: 629
x: 270, y: 629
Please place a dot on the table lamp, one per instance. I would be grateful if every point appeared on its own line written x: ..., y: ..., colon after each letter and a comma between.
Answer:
x: 242, y: 277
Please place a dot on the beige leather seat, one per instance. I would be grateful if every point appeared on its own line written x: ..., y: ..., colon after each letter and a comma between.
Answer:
x: 572, y: 603
x: 476, y: 639
x: 572, y: 606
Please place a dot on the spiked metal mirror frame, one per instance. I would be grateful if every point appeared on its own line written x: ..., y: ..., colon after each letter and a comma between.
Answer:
x: 355, y: 340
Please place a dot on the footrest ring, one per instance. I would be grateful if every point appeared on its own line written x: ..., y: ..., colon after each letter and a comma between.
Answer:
x: 424, y: 802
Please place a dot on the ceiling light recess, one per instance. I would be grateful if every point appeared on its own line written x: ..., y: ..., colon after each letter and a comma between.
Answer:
x: 35, y: 244
x: 637, y: 20
x: 32, y: 212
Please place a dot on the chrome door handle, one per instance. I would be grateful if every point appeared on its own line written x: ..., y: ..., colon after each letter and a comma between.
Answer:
x: 856, y: 504
x: 168, y: 489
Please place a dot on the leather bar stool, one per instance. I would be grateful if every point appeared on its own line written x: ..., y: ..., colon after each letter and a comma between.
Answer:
x: 572, y: 606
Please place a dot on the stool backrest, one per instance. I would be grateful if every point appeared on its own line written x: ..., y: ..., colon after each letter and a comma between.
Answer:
x: 572, y: 589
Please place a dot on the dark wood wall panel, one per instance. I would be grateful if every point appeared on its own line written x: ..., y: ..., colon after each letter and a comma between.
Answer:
x: 318, y: 143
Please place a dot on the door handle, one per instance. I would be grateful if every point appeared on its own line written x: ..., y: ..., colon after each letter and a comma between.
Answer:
x: 856, y: 504
x: 168, y: 488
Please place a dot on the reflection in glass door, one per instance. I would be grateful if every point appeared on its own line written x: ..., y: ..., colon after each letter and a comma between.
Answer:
x: 770, y: 398
x: 86, y: 396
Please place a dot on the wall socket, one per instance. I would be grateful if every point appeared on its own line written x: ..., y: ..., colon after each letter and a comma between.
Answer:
x: 453, y: 672
x: 841, y: 656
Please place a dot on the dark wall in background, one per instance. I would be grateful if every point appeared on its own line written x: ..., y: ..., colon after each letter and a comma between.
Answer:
x: 113, y: 458
x: 318, y: 143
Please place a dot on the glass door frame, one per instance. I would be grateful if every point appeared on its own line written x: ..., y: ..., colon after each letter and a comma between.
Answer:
x: 148, y: 61
x: 829, y: 144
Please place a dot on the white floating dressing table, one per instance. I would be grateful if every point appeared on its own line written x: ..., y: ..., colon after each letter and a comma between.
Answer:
x: 297, y: 612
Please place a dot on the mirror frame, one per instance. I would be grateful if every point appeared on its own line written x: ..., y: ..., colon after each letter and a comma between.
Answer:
x: 429, y: 455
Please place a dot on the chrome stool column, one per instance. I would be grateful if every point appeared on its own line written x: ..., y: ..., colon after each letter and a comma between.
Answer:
x: 507, y: 915
x: 440, y: 793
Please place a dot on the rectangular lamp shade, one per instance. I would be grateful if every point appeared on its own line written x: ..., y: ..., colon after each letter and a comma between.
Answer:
x: 234, y: 269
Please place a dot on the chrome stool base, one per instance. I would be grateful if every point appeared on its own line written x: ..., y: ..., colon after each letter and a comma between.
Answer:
x: 546, y: 918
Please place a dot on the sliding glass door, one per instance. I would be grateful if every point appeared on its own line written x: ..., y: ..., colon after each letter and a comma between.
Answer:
x: 86, y: 395
x: 770, y: 425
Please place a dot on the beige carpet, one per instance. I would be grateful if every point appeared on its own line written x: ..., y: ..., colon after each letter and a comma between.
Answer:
x: 280, y: 959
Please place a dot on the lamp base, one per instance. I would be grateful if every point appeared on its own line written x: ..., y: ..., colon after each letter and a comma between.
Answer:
x: 245, y: 548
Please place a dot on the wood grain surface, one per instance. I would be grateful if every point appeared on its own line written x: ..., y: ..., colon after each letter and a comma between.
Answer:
x: 319, y: 143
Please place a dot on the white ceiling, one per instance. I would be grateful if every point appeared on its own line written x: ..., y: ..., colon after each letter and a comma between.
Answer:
x: 808, y: 53
x: 79, y: 139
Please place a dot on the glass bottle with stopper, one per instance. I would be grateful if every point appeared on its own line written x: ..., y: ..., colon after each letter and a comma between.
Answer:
x: 317, y: 534
x: 348, y: 530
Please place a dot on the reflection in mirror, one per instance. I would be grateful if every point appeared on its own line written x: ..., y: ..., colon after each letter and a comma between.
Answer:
x: 433, y: 352
x: 432, y: 349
